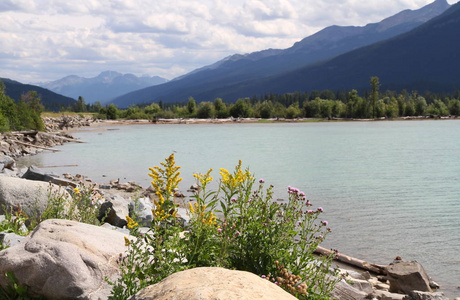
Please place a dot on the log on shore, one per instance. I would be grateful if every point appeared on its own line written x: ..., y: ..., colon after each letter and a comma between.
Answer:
x: 35, y: 146
x: 60, y: 137
x: 378, y: 269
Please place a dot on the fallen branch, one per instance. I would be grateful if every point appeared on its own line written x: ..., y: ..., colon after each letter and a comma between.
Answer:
x: 378, y: 269
x: 60, y: 137
x: 61, y: 166
x: 35, y: 146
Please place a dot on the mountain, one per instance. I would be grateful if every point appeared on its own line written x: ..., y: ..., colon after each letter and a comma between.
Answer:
x: 49, y: 99
x: 105, y: 86
x: 230, y: 77
x: 424, y: 59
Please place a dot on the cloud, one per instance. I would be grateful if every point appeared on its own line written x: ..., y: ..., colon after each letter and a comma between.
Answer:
x: 49, y: 39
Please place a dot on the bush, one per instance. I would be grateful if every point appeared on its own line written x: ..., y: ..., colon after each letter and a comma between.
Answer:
x: 253, y: 233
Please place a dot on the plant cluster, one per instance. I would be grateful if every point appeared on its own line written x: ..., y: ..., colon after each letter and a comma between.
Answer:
x: 81, y: 206
x: 23, y: 115
x: 236, y: 226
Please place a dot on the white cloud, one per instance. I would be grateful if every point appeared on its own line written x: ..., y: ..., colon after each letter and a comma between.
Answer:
x: 48, y: 39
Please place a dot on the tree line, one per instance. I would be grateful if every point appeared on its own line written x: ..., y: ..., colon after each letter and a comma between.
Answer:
x: 23, y: 115
x: 316, y: 104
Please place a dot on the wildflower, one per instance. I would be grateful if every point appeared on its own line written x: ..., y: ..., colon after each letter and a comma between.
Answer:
x: 320, y: 209
x: 263, y: 276
x: 191, y: 207
x: 324, y: 223
x: 233, y: 199
x: 131, y: 222
x: 238, y: 233
x: 76, y: 191
x: 301, y: 194
x: 127, y: 242
x: 219, y: 230
x: 261, y: 180
x: 203, y: 178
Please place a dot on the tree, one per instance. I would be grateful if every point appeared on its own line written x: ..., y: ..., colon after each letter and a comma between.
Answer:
x: 205, y: 110
x: 220, y: 108
x: 191, y: 106
x: 80, y: 105
x: 240, y: 109
x: 112, y: 112
x: 375, y: 85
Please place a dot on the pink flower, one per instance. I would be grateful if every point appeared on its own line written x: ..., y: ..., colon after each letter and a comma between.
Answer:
x: 320, y: 209
x: 219, y: 230
x: 261, y: 180
x: 324, y: 223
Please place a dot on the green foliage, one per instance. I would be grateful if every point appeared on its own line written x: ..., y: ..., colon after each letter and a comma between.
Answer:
x: 255, y: 234
x: 22, y: 116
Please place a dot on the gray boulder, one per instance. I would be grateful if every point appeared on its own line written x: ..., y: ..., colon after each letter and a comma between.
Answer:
x: 405, y: 277
x: 64, y: 259
x: 114, y: 211
x: 142, y: 210
x: 7, y: 162
x: 32, y: 196
x: 34, y: 173
x: 10, y: 239
x: 212, y: 283
x: 417, y: 295
x: 385, y: 295
x: 344, y: 291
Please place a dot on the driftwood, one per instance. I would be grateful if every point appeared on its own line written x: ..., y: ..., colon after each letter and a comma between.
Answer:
x: 35, y: 146
x: 61, y: 166
x: 378, y: 269
x: 60, y: 137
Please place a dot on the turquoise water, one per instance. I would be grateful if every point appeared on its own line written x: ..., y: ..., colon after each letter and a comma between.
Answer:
x: 388, y: 188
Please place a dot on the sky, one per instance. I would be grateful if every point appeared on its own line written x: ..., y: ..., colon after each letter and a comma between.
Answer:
x: 45, y: 40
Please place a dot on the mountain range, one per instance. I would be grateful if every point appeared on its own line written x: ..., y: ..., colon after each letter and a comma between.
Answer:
x: 51, y: 100
x: 337, y: 57
x: 105, y: 86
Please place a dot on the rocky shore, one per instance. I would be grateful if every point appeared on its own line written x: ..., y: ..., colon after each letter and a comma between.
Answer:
x: 64, y: 259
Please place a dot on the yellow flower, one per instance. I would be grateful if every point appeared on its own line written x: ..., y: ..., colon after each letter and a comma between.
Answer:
x: 203, y: 179
x: 76, y: 191
x: 131, y: 222
x: 127, y: 242
x: 190, y: 206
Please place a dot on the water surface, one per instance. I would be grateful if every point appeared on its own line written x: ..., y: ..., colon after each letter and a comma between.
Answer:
x: 388, y: 188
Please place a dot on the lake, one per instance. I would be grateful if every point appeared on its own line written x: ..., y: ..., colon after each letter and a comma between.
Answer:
x: 388, y: 188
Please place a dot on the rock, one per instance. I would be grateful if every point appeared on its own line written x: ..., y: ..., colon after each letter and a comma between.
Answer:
x: 10, y: 239
x: 344, y: 291
x: 31, y: 195
x: 385, y: 295
x: 114, y: 211
x: 405, y: 277
x: 184, y: 215
x: 141, y: 209
x: 358, y: 275
x: 34, y: 173
x: 64, y: 259
x: 417, y: 295
x: 362, y: 285
x: 212, y: 283
x: 7, y: 162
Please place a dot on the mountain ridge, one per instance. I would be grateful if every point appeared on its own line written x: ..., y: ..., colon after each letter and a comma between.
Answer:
x: 103, y: 87
x: 238, y: 71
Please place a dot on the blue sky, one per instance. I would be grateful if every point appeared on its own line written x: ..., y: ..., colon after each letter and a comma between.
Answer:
x: 44, y: 40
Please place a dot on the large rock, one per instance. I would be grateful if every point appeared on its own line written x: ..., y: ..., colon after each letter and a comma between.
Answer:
x: 6, y: 162
x: 34, y: 173
x: 405, y: 277
x: 114, y: 211
x: 64, y: 259
x: 212, y: 283
x: 32, y: 196
x: 142, y: 209
x: 344, y: 291
x: 417, y: 295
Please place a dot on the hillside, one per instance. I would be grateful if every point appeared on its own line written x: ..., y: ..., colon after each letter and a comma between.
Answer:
x: 244, y: 75
x: 49, y: 99
x: 105, y: 86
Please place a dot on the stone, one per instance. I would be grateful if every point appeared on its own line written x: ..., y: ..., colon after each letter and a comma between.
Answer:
x: 417, y: 295
x: 10, y: 239
x: 385, y: 295
x: 7, y: 162
x: 405, y: 277
x: 212, y: 283
x: 142, y: 210
x: 64, y: 259
x: 32, y: 196
x: 114, y: 211
x: 362, y: 285
x: 345, y: 291
x: 34, y: 173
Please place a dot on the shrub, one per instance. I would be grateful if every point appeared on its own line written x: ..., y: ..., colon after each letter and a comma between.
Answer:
x: 252, y: 233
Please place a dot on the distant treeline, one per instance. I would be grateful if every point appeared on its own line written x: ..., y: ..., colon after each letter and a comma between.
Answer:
x: 24, y: 115
x: 316, y: 104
